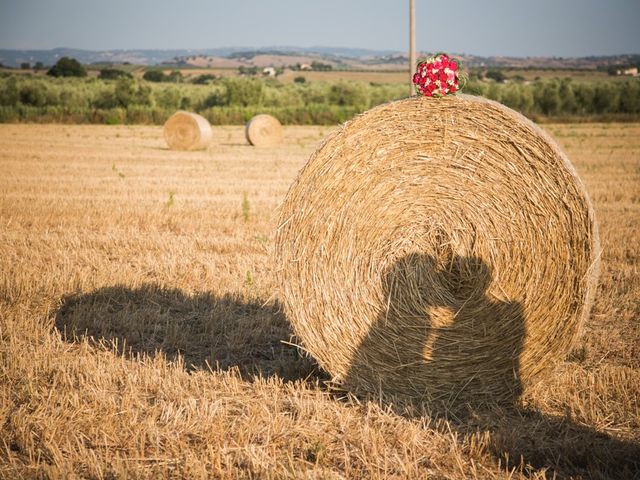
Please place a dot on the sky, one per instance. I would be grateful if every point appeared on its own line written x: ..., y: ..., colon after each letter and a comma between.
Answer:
x: 491, y: 27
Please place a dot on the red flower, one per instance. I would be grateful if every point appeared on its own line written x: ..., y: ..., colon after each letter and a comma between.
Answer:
x: 431, y: 78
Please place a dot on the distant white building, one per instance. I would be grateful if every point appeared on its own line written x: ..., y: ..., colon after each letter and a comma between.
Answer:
x: 305, y: 66
x: 269, y: 72
x: 629, y: 72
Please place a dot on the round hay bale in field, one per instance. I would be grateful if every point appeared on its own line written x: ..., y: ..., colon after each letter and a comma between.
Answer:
x: 263, y: 131
x: 187, y: 131
x: 442, y: 249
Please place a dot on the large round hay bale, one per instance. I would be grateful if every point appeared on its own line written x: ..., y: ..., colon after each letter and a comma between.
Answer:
x: 443, y: 249
x: 187, y: 131
x: 263, y: 131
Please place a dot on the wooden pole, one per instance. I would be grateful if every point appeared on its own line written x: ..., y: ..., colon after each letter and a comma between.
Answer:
x: 412, y: 45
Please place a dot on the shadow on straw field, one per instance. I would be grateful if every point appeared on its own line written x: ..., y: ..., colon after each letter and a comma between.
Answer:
x: 441, y: 336
x: 206, y: 331
x: 467, y: 361
x: 227, y: 332
x: 561, y: 446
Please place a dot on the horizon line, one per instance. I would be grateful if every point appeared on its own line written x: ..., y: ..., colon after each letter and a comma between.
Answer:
x: 275, y: 47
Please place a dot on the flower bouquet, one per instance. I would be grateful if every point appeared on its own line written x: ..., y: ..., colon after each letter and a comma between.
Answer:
x: 437, y: 76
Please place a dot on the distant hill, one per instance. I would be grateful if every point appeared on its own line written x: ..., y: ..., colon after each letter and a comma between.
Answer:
x: 338, y: 57
x: 13, y: 58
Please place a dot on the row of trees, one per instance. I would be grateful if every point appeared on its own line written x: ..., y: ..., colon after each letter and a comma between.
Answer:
x: 70, y: 67
x: 25, y: 98
x: 121, y: 90
x: 553, y: 98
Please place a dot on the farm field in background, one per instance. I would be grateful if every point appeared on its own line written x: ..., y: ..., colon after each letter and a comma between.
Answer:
x: 396, y: 76
x: 106, y: 234
x: 376, y: 76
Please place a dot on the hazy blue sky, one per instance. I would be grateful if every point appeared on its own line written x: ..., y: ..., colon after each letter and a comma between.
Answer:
x: 490, y: 27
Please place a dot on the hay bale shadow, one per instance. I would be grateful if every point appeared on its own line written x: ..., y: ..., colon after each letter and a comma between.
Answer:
x: 221, y: 332
x: 525, y: 439
x: 479, y: 351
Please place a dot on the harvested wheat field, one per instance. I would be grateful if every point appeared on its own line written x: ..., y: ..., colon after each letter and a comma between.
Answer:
x: 141, y: 334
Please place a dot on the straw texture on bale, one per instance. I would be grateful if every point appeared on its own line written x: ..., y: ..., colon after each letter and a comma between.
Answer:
x: 263, y: 130
x: 441, y: 249
x: 187, y: 131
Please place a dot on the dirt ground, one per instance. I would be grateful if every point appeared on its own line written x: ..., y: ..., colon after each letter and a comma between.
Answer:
x: 140, y: 334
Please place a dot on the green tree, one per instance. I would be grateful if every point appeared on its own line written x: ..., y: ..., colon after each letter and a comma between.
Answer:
x: 319, y: 66
x: 605, y: 98
x: 175, y: 76
x: 584, y: 94
x: 493, y: 92
x: 34, y: 94
x: 128, y: 93
x: 67, y: 67
x: 9, y: 94
x: 169, y: 98
x: 217, y: 98
x: 348, y: 94
x: 547, y: 97
x: 248, y: 71
x: 511, y: 96
x: 112, y: 74
x: 630, y: 97
x: 185, y: 103
x: 204, y: 79
x: 154, y: 76
x: 497, y: 75
x: 243, y: 92
x: 568, y: 102
x: 105, y: 99
x: 527, y: 101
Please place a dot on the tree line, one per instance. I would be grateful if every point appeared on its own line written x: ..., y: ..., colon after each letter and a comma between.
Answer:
x: 119, y: 98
